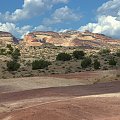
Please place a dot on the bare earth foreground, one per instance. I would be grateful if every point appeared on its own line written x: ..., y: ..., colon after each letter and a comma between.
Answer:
x: 61, y: 97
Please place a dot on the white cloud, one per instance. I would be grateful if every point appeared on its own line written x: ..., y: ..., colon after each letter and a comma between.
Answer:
x: 21, y: 31
x: 112, y: 8
x: 64, y: 30
x: 108, y: 20
x: 62, y: 14
x: 106, y: 24
x: 58, y: 1
x: 12, y: 28
x: 42, y: 28
x: 29, y: 9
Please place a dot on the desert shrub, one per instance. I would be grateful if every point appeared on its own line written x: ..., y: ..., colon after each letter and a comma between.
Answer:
x: 86, y: 62
x: 118, y: 53
x: 78, y: 54
x: 63, y: 57
x: 105, y: 68
x: 105, y: 51
x: 28, y: 63
x: 105, y: 59
x: 40, y: 64
x: 96, y: 64
x: 112, y: 61
x: 13, y: 66
x: 16, y: 54
x: 10, y: 47
x: 9, y: 52
x: 2, y: 51
x: 117, y: 75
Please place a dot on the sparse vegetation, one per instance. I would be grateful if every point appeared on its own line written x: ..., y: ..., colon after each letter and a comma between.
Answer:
x: 72, y: 61
x: 96, y: 64
x: 2, y: 51
x: 10, y: 47
x: 86, y: 62
x: 63, y: 57
x: 34, y: 58
x: 64, y: 60
x: 118, y: 53
x: 112, y: 62
x: 12, y: 65
x: 40, y: 64
x: 15, y: 54
x: 105, y: 51
x: 78, y: 54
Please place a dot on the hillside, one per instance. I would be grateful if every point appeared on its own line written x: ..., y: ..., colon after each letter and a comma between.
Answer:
x: 67, y: 39
x: 7, y: 38
x: 36, y: 82
x: 70, y: 38
x: 48, y: 45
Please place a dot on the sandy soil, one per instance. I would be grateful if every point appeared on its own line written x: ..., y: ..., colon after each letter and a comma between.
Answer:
x: 74, y: 109
x: 73, y: 100
x: 82, y: 78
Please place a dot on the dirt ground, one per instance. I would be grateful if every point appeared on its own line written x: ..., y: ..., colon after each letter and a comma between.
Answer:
x: 58, y: 80
x: 78, y: 96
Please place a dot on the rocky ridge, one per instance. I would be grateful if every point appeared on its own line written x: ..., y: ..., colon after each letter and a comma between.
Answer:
x: 70, y: 38
x: 7, y: 38
x: 49, y: 39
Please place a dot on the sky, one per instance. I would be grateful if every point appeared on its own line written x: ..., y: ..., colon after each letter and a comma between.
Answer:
x: 20, y: 17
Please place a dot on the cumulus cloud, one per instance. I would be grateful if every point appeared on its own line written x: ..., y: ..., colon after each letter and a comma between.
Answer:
x: 29, y: 9
x: 62, y: 14
x: 21, y: 31
x: 108, y: 20
x: 106, y: 24
x: 12, y: 28
x: 42, y: 28
x: 111, y: 8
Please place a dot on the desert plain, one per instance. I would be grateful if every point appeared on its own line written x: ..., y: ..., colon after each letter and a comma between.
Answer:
x: 90, y: 95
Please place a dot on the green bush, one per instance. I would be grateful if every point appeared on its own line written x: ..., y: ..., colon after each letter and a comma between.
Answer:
x: 9, y: 52
x: 40, y: 64
x: 112, y: 61
x: 118, y: 53
x: 16, y: 54
x: 86, y: 62
x: 105, y: 51
x: 2, y: 51
x: 96, y: 64
x: 63, y: 57
x: 13, y: 66
x: 78, y: 54
x: 10, y: 47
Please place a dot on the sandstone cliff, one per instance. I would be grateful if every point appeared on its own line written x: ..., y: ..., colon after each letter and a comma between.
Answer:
x: 70, y: 38
x: 7, y: 38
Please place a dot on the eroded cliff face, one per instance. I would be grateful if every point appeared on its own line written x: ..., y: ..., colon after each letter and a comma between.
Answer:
x: 7, y: 38
x: 39, y: 38
x: 69, y: 38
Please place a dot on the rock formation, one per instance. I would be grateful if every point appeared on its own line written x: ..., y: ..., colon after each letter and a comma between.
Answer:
x: 69, y: 38
x: 7, y: 38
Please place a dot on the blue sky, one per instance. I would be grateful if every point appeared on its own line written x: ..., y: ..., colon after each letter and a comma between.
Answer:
x: 22, y: 16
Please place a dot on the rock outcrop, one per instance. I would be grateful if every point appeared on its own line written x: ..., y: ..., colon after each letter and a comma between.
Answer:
x: 7, y: 38
x: 69, y: 38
